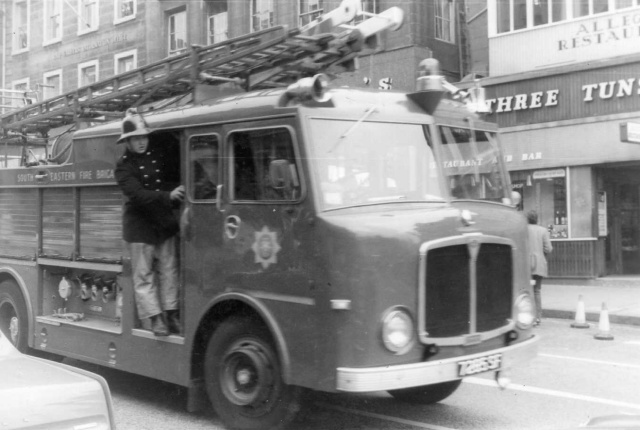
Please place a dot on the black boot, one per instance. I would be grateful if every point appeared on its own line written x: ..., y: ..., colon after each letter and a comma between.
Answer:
x: 173, y: 321
x: 158, y: 327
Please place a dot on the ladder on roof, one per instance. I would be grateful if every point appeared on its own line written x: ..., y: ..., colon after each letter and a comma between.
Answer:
x: 264, y: 59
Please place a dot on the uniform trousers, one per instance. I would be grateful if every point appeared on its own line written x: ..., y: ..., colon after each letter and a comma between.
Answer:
x: 155, y: 277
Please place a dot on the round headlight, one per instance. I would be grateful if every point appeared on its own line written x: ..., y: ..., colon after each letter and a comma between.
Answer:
x: 397, y: 331
x: 525, y: 311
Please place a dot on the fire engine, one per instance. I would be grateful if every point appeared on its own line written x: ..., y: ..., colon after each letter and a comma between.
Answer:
x: 333, y: 239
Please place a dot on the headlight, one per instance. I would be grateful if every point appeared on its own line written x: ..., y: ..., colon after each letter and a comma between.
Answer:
x: 525, y: 313
x: 397, y: 330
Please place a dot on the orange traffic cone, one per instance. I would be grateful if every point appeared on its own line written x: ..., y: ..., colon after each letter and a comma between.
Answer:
x: 604, y: 330
x: 580, y: 321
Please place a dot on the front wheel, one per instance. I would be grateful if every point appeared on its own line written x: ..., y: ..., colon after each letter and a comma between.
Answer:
x: 13, y: 315
x: 243, y: 377
x: 427, y: 394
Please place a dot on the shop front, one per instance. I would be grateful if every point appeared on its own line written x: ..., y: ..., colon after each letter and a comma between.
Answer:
x: 572, y: 144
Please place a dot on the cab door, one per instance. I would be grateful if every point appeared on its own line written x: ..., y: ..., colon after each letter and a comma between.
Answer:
x: 265, y: 214
x: 201, y: 220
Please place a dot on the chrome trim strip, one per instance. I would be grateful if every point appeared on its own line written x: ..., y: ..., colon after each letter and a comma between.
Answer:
x: 359, y: 380
x: 284, y: 298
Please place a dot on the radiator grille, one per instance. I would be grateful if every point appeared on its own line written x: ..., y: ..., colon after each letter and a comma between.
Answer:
x: 453, y: 277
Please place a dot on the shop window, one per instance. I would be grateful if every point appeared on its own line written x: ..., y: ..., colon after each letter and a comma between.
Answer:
x: 445, y: 20
x: 203, y: 175
x: 560, y: 220
x: 52, y: 84
x: 20, y: 26
x: 310, y: 10
x: 264, y: 166
x: 87, y: 16
x: 261, y: 14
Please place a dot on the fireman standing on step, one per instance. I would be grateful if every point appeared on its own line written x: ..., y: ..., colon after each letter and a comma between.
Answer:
x: 150, y: 183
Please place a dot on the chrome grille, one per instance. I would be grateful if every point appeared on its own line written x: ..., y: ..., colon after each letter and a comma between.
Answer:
x: 466, y: 288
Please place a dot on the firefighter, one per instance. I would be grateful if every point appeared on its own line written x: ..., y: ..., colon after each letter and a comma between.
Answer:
x: 150, y: 183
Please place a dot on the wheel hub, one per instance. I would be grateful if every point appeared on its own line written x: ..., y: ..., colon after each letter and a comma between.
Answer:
x: 247, y: 377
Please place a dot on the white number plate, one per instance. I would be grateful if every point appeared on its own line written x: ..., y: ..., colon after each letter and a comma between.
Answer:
x: 479, y: 365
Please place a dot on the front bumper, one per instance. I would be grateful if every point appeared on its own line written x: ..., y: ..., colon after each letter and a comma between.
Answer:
x: 426, y: 373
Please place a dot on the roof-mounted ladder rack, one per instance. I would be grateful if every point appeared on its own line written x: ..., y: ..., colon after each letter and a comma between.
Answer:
x: 264, y: 59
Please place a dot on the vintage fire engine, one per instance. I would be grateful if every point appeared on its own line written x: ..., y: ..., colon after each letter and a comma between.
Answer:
x: 336, y: 239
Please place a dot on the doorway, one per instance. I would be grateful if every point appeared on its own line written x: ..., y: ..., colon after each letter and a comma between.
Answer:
x: 622, y: 186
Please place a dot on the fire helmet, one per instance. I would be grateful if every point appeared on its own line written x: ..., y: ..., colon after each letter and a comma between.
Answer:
x: 133, y: 125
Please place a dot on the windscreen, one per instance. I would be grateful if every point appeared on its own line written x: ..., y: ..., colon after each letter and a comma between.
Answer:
x: 361, y: 163
x: 472, y: 164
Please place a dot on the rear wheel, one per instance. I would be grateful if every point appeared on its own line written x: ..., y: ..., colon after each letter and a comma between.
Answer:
x: 244, y: 378
x: 427, y: 394
x: 13, y: 315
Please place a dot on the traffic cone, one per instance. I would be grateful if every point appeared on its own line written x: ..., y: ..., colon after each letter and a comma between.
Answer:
x: 604, y: 331
x: 580, y: 321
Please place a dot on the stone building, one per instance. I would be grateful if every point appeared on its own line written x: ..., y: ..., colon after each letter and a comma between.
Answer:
x: 563, y: 87
x: 50, y: 47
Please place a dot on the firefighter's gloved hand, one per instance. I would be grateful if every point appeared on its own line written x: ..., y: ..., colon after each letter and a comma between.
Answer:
x: 178, y: 194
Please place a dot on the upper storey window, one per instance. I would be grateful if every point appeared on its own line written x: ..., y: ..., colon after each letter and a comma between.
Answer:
x: 217, y: 21
x: 177, y: 33
x: 445, y: 20
x: 368, y: 6
x: 87, y: 16
x: 52, y: 21
x: 310, y: 10
x: 261, y: 14
x: 125, y: 10
x: 512, y: 15
x: 20, y: 26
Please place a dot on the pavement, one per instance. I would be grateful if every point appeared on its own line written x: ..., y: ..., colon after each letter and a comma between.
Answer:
x: 619, y: 295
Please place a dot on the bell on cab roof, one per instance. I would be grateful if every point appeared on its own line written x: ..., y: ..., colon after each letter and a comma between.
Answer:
x: 429, y: 86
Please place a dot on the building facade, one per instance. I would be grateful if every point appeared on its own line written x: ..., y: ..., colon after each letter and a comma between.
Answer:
x: 565, y: 91
x: 54, y: 46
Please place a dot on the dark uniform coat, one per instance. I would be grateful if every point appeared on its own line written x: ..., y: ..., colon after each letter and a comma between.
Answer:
x: 147, y: 181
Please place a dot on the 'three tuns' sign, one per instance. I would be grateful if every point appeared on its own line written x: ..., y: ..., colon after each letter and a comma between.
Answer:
x: 564, y: 96
x: 630, y: 132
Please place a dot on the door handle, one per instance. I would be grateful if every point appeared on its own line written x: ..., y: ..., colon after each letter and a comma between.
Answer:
x: 185, y: 223
x: 232, y: 226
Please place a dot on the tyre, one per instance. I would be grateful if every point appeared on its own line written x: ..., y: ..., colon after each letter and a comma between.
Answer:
x: 13, y: 315
x: 243, y: 377
x: 427, y: 394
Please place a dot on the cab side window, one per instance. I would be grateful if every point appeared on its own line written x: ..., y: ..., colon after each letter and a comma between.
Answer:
x: 264, y: 165
x: 204, y: 163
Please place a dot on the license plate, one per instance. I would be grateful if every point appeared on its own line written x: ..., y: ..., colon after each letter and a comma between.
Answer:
x: 479, y: 365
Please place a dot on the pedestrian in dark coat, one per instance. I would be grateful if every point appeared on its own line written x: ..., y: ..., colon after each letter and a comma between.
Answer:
x: 148, y: 175
x: 539, y: 247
